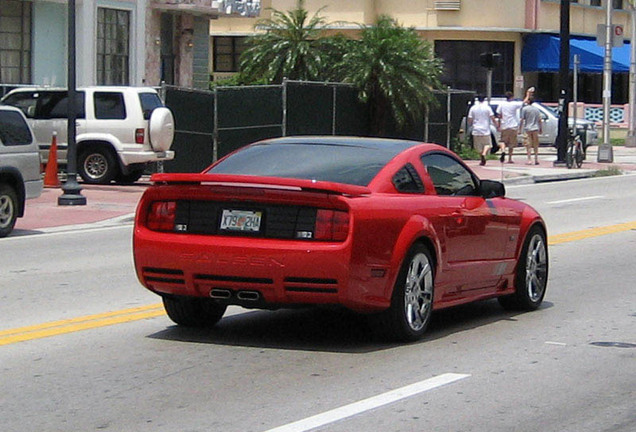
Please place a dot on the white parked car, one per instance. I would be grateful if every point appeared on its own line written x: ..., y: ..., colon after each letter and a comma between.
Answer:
x: 550, y: 128
x: 119, y: 129
x: 20, y: 177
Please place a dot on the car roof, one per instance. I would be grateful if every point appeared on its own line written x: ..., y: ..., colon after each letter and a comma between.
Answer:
x: 95, y: 88
x: 11, y: 108
x: 346, y: 141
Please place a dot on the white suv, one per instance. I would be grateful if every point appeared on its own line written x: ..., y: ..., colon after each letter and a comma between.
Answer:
x: 20, y: 177
x: 119, y: 129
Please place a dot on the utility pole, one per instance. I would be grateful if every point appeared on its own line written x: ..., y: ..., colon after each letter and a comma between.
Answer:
x: 564, y: 83
x: 605, y: 153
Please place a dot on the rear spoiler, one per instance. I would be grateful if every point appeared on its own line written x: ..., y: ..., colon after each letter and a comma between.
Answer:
x: 259, y: 181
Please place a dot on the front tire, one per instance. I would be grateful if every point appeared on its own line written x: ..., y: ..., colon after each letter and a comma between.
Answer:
x: 411, y: 307
x: 8, y: 209
x: 532, y: 274
x: 97, y: 165
x: 193, y: 311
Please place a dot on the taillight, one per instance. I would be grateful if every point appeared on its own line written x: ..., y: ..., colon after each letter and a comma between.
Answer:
x: 331, y: 225
x: 161, y: 216
x: 139, y: 135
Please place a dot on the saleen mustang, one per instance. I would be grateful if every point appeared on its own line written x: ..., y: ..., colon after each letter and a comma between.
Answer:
x: 391, y: 228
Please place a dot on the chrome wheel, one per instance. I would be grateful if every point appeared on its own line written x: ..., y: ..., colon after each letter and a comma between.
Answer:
x: 536, y: 268
x: 418, y: 292
x: 7, y: 211
x: 95, y: 165
x: 531, y: 279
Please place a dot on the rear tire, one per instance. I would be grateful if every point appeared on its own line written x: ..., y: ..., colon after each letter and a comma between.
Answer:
x: 97, y: 165
x: 8, y: 209
x: 532, y: 274
x: 193, y: 311
x: 411, y: 307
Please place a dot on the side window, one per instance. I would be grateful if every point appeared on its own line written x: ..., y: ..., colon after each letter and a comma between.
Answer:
x: 14, y: 130
x: 407, y: 180
x: 109, y: 106
x: 448, y: 175
x: 25, y: 101
x: 149, y: 101
x: 54, y: 105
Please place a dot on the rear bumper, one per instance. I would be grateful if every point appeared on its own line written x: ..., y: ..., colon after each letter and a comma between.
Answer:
x: 33, y: 188
x: 139, y: 157
x: 283, y: 273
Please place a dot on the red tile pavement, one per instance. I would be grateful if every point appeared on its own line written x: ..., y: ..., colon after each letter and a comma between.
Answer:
x: 102, y: 203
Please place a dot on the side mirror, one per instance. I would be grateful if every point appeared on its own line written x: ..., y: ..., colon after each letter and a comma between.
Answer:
x: 491, y: 189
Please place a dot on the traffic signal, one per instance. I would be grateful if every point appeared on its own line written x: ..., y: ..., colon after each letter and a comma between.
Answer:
x: 490, y: 59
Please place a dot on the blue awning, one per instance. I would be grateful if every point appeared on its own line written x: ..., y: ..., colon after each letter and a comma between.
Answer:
x: 541, y: 54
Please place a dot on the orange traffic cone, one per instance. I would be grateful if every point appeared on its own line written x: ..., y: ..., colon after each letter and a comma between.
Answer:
x: 50, y: 175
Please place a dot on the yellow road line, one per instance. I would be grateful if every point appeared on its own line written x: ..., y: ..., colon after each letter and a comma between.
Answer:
x: 55, y: 328
x: 71, y: 325
x: 590, y: 233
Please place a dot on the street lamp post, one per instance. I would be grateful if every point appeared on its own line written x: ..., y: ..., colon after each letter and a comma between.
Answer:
x: 71, y: 188
x: 605, y: 153
x: 564, y: 83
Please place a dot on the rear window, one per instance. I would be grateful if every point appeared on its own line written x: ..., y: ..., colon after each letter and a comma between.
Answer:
x: 109, y: 106
x: 149, y: 101
x: 355, y: 165
x: 13, y: 129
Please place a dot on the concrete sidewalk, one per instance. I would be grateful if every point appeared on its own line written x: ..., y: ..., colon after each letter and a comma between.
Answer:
x: 116, y: 204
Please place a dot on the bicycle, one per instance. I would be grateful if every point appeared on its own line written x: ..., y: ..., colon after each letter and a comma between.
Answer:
x: 575, y: 153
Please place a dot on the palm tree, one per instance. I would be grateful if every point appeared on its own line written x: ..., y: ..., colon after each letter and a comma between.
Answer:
x: 292, y: 46
x: 394, y: 70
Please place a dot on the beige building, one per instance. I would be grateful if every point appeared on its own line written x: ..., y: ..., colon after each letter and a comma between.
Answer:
x: 524, y: 33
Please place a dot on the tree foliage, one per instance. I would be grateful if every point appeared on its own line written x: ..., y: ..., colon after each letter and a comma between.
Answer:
x: 394, y: 70
x: 292, y: 46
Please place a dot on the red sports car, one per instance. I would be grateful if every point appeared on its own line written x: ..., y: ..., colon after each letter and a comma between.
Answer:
x: 386, y: 227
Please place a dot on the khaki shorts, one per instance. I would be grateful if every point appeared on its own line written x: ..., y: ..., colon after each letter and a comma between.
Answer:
x: 481, y: 142
x: 532, y: 140
x: 509, y: 137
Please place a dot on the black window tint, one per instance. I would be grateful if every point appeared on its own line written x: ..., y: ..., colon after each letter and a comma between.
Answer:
x: 25, y: 101
x: 52, y: 105
x: 356, y: 165
x: 448, y: 175
x: 109, y: 106
x: 13, y: 129
x: 407, y: 180
x: 149, y: 101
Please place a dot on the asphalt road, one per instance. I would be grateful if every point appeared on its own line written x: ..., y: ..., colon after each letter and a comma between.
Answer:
x: 84, y: 347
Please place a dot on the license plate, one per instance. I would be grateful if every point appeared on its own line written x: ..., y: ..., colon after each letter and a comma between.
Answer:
x: 241, y: 220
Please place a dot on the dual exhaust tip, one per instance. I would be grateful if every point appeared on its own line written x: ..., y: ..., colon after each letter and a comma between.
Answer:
x: 243, y: 295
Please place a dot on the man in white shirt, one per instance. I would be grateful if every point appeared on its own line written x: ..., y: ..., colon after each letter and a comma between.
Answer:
x: 479, y: 117
x: 508, y: 113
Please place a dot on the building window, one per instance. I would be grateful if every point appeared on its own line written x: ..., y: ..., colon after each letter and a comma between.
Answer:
x: 227, y: 52
x: 15, y: 42
x: 595, y: 2
x: 113, y: 46
x: 462, y: 68
x: 617, y: 4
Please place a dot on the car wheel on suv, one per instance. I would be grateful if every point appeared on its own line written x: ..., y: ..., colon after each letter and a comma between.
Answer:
x: 8, y: 209
x: 97, y: 165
